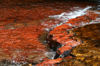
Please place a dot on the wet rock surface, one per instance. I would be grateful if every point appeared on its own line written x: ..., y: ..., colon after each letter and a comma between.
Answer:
x: 65, y: 40
x: 24, y: 28
x: 22, y: 43
x: 63, y: 36
x: 88, y: 52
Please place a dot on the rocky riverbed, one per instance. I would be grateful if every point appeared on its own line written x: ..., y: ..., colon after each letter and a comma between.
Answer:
x: 46, y: 33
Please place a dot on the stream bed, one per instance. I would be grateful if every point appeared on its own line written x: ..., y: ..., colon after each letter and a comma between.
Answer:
x: 49, y: 33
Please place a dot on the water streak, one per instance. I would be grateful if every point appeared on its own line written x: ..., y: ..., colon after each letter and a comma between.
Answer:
x: 64, y: 17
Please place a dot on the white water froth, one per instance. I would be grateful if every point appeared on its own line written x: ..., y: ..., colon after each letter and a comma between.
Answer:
x: 64, y: 17
x: 92, y: 22
x: 50, y: 54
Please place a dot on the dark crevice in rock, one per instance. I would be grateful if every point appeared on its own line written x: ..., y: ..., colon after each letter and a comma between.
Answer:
x: 72, y: 55
x: 65, y: 54
x: 56, y: 55
x: 54, y: 45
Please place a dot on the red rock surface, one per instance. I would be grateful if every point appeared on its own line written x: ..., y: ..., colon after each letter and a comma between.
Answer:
x: 50, y: 62
x: 20, y: 29
x: 19, y: 32
x: 60, y: 33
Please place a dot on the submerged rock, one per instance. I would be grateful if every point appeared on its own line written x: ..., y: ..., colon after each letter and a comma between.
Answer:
x: 71, y: 62
x: 88, y: 52
x: 22, y: 40
x: 22, y: 45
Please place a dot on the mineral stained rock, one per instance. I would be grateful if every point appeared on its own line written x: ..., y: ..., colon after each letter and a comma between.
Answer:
x: 50, y: 62
x: 68, y: 39
x: 63, y: 35
x: 21, y: 30
x: 22, y: 44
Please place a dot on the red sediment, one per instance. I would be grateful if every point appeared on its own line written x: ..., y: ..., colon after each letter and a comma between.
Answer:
x: 21, y: 42
x: 49, y: 23
x: 20, y: 14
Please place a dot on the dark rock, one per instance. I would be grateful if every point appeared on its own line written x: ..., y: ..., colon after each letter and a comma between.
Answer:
x: 54, y: 45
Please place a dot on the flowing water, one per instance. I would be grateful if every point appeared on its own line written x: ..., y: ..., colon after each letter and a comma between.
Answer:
x: 24, y: 28
x: 64, y: 17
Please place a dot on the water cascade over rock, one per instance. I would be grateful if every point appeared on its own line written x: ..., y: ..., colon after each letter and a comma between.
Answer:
x: 41, y: 32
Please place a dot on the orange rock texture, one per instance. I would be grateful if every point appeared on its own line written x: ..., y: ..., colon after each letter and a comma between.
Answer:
x: 22, y: 24
x: 21, y: 42
x: 61, y: 34
x: 50, y: 62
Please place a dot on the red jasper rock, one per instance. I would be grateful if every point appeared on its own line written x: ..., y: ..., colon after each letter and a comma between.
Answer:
x: 50, y: 62
x: 61, y: 35
x: 63, y: 49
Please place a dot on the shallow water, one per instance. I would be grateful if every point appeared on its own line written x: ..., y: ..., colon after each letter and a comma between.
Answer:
x: 22, y: 25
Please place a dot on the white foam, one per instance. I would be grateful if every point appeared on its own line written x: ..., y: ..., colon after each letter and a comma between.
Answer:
x: 47, y: 29
x: 50, y: 55
x: 64, y: 17
x: 92, y: 22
